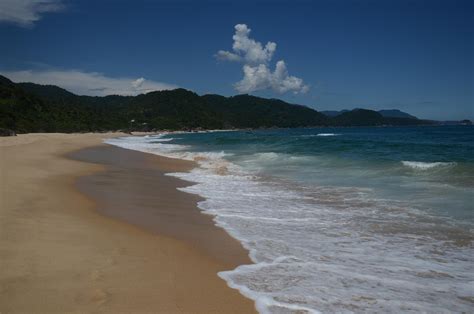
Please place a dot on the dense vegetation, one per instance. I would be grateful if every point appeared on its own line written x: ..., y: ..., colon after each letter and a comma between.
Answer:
x: 28, y: 107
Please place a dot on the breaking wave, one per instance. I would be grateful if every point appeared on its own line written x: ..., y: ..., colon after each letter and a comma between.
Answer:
x: 419, y: 165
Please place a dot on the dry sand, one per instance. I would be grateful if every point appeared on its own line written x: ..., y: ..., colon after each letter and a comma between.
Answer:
x: 58, y: 253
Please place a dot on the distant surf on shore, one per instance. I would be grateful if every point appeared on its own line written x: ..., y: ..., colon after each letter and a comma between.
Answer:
x: 339, y: 219
x: 419, y: 165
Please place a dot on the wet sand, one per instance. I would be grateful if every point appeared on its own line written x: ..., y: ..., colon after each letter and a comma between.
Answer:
x: 134, y: 188
x: 63, y: 248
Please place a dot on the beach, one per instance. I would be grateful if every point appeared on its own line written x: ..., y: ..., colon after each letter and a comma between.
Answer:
x: 86, y: 227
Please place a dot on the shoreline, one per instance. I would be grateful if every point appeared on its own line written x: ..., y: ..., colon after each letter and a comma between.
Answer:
x: 134, y: 187
x: 59, y: 254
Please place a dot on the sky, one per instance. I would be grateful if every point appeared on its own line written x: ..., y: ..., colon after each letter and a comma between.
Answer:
x: 413, y: 55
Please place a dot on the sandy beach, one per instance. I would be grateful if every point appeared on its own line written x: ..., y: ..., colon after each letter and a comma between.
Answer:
x: 85, y: 227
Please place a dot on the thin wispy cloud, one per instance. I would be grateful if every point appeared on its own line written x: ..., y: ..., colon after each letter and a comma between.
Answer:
x: 88, y: 83
x: 26, y: 12
x: 256, y: 58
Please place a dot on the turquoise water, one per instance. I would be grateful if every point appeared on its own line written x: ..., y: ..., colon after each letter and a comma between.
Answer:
x: 339, y: 219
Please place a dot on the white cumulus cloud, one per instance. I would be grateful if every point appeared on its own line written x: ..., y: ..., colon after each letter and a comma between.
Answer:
x: 88, y: 83
x: 256, y: 58
x: 26, y: 12
x: 260, y: 77
x: 228, y: 56
x: 247, y: 49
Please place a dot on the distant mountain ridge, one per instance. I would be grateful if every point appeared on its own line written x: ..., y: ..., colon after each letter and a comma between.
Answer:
x: 333, y: 113
x: 395, y: 113
x: 29, y: 107
x: 387, y: 113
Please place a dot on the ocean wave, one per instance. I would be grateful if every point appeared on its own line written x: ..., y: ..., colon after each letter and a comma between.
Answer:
x: 151, y: 145
x: 268, y: 156
x: 278, y: 157
x: 157, y: 145
x: 320, y: 134
x: 265, y: 304
x: 420, y: 165
x: 327, y: 134
x: 159, y: 140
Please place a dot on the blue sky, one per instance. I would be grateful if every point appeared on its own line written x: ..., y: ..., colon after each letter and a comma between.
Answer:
x: 417, y: 56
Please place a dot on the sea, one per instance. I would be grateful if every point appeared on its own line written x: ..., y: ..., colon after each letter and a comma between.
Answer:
x: 366, y: 219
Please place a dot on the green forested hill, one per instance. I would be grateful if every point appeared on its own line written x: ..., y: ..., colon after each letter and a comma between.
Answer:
x: 28, y: 107
x: 253, y: 112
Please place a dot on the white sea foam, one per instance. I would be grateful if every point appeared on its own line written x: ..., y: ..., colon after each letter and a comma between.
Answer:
x: 168, y: 139
x: 158, y: 146
x: 320, y: 134
x: 324, y: 248
x: 419, y: 165
x: 269, y: 158
x: 327, y: 134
